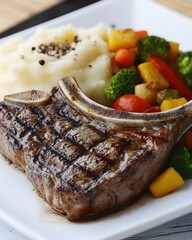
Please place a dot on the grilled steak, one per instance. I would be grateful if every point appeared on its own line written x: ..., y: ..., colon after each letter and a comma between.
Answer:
x: 81, y: 164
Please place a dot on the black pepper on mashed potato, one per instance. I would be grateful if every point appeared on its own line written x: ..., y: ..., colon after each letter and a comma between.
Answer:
x: 39, y: 61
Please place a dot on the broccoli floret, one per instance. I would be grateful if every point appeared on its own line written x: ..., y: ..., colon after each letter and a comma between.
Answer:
x: 181, y: 161
x: 184, y: 63
x: 152, y: 45
x: 123, y: 82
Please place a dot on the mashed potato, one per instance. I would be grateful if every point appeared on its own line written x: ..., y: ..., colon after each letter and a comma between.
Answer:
x: 28, y: 64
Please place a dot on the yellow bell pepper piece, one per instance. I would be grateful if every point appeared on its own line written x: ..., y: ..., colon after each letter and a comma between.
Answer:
x: 172, y: 103
x: 122, y: 38
x: 167, y: 182
x: 150, y: 73
x: 173, y: 51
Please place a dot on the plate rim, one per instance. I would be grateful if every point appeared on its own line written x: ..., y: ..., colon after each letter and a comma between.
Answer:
x: 26, y: 232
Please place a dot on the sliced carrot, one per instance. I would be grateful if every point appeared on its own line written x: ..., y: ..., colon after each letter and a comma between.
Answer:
x: 125, y: 57
x: 141, y: 34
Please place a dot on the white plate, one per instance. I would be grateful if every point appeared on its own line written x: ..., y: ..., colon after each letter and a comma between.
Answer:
x: 25, y: 211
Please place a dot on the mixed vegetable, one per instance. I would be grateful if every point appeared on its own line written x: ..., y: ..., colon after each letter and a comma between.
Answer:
x: 151, y: 68
x: 179, y: 168
x: 151, y: 75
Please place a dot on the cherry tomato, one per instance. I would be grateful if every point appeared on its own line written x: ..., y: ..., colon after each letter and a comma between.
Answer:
x: 131, y: 103
x: 153, y: 109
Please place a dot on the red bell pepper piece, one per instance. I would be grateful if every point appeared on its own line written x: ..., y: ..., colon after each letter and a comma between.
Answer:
x: 172, y: 77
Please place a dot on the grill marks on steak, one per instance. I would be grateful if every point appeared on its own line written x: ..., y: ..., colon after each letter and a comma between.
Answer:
x: 79, y: 165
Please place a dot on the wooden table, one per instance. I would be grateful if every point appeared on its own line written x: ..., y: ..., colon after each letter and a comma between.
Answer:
x: 12, y: 12
x: 184, y: 7
x: 15, y: 11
